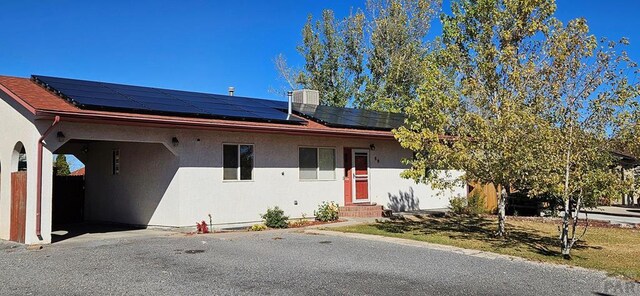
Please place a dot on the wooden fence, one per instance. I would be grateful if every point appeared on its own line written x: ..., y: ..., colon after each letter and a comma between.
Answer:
x: 490, y: 194
x: 18, y: 206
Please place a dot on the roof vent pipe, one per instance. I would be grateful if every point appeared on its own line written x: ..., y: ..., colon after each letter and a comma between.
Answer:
x: 231, y: 90
x: 290, y: 97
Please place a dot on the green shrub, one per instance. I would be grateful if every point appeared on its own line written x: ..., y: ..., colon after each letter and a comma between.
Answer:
x: 275, y: 218
x: 476, y: 203
x: 458, y: 205
x: 258, y: 227
x: 473, y: 205
x: 327, y: 211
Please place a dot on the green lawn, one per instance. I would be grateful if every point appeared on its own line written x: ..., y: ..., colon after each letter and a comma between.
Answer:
x: 614, y: 250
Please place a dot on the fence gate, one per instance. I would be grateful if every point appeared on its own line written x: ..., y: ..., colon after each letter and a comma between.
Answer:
x: 18, y: 206
x: 68, y: 199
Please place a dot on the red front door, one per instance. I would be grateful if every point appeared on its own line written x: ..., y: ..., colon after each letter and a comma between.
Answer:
x: 348, y: 174
x: 360, y: 177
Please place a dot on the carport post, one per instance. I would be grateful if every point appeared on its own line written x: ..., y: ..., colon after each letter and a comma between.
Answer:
x: 39, y: 181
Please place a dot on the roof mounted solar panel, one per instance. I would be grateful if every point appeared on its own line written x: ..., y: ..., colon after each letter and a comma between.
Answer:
x: 350, y: 117
x: 95, y: 95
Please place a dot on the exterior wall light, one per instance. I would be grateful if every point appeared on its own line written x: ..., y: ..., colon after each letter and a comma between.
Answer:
x: 175, y: 142
x: 372, y: 147
x: 60, y: 137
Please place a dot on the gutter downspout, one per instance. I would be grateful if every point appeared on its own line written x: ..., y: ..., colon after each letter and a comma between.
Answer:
x: 39, y: 182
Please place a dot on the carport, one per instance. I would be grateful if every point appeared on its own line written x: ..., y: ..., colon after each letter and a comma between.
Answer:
x: 123, y: 186
x: 131, y: 167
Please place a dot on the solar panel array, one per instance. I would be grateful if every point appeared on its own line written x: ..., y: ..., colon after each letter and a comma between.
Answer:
x: 95, y: 95
x: 349, y: 117
x: 118, y: 97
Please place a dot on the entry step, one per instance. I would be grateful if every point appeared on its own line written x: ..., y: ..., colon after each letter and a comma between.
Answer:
x: 361, y: 211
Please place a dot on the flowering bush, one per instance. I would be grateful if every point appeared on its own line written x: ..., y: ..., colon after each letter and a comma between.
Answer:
x: 257, y: 227
x: 327, y: 211
x: 202, y: 227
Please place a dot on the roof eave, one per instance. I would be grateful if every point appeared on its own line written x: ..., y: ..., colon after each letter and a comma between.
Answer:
x: 233, y: 126
x: 16, y: 98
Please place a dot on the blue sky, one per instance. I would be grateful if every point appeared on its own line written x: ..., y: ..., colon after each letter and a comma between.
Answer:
x: 201, y: 45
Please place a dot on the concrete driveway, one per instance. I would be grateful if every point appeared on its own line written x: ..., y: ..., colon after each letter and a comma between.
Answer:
x: 278, y: 263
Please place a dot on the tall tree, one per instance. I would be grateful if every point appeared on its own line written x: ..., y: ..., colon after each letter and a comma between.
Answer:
x: 528, y: 103
x: 62, y: 166
x: 333, y: 57
x: 354, y: 55
x: 397, y: 31
x: 494, y: 47
x: 434, y: 121
x: 591, y: 94
x: 370, y: 59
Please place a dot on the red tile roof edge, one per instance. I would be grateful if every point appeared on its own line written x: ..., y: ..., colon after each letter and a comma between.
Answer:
x: 78, y: 172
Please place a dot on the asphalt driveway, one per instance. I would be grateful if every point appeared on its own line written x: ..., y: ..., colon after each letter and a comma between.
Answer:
x: 278, y: 263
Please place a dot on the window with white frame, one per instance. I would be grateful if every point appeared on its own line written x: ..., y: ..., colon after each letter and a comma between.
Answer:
x: 237, y: 162
x: 317, y: 163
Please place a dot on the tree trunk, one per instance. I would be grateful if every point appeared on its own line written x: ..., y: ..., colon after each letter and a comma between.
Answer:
x: 564, y: 235
x: 567, y: 243
x: 502, y: 211
x: 576, y: 218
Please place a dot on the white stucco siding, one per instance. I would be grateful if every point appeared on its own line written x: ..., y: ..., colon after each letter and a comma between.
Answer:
x: 145, y: 192
x: 275, y: 182
x: 179, y: 187
x: 17, y: 125
x: 166, y: 185
x: 399, y: 194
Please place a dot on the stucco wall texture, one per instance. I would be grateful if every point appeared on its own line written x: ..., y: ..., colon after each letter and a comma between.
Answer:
x: 16, y: 129
x: 162, y: 184
x: 166, y: 185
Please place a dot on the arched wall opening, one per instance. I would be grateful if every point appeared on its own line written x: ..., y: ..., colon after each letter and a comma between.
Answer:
x: 19, y: 158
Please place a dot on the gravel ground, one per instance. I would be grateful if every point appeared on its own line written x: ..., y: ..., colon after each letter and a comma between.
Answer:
x: 279, y: 263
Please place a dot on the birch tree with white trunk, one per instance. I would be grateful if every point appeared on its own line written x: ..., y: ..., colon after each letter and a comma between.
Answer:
x: 591, y: 92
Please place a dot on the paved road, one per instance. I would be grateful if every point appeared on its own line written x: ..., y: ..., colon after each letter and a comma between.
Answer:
x: 612, y: 218
x: 278, y: 263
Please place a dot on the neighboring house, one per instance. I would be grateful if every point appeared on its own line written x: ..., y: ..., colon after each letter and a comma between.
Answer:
x: 78, y: 172
x: 170, y: 158
x: 628, y: 168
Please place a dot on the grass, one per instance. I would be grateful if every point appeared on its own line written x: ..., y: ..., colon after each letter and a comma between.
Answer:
x: 613, y: 250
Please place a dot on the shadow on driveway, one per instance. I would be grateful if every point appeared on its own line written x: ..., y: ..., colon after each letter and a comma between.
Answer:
x: 99, y: 230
